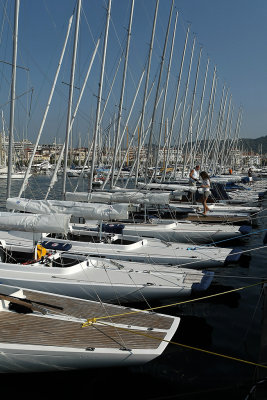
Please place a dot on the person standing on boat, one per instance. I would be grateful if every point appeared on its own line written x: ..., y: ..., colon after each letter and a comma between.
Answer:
x: 193, y: 179
x: 206, y: 190
x: 250, y: 176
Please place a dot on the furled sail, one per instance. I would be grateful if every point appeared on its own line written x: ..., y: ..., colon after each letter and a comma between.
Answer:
x: 58, y: 223
x: 178, y: 188
x: 120, y: 197
x: 86, y: 210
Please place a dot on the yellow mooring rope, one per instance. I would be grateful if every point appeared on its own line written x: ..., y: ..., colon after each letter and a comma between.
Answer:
x: 92, y: 321
x: 190, y: 347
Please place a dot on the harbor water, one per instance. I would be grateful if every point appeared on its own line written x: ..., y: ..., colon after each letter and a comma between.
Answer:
x: 227, y: 327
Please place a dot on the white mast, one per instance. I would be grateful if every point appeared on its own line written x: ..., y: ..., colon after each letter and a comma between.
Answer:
x: 71, y: 87
x: 212, y: 95
x: 165, y: 96
x: 190, y: 125
x: 13, y: 95
x: 145, y: 94
x: 126, y: 124
x: 99, y: 99
x: 149, y: 155
x: 200, y: 114
x: 121, y: 97
x: 54, y: 176
x: 184, y: 105
x: 27, y: 173
x: 175, y: 106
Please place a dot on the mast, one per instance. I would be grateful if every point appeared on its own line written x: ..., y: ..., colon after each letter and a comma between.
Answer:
x: 184, y: 105
x: 175, y: 105
x: 212, y: 95
x: 225, y: 135
x: 190, y: 126
x: 99, y: 99
x: 200, y: 114
x: 54, y: 176
x: 71, y: 87
x: 217, y: 138
x: 165, y: 98
x: 13, y: 96
x: 121, y: 97
x: 27, y: 173
x: 126, y: 125
x: 145, y: 94
x: 149, y: 156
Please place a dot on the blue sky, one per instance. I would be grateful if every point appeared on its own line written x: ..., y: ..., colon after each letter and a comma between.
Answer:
x: 232, y: 33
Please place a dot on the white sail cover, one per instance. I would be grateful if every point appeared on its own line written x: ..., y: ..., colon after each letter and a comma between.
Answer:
x: 52, y: 223
x: 120, y: 197
x: 89, y: 211
x: 165, y: 186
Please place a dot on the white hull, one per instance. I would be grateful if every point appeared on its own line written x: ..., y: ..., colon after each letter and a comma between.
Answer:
x: 47, y: 339
x: 21, y: 359
x: 13, y: 176
x: 148, y: 250
x: 183, y: 232
x: 109, y: 281
x: 220, y: 208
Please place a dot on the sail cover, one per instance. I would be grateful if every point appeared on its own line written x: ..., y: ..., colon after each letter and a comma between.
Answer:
x: 165, y: 186
x: 34, y: 222
x: 89, y: 211
x: 120, y: 197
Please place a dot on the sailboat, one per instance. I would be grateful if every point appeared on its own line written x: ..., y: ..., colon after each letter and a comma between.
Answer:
x: 112, y: 281
x: 105, y: 244
x: 44, y: 332
x: 81, y: 275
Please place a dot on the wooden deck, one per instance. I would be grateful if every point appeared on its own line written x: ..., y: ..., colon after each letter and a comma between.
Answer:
x: 218, y: 219
x: 30, y: 329
x: 89, y: 309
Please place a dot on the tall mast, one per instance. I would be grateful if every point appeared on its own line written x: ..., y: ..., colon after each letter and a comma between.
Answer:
x: 175, y: 105
x: 165, y: 97
x: 27, y: 173
x: 54, y: 176
x: 13, y: 95
x: 129, y: 143
x: 121, y: 98
x: 212, y: 91
x: 71, y: 87
x: 145, y: 94
x: 149, y: 156
x: 200, y: 114
x: 99, y: 99
x: 190, y: 126
x: 184, y: 105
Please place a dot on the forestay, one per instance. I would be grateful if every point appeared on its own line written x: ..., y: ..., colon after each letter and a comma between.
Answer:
x: 120, y: 197
x: 58, y: 223
x: 77, y: 209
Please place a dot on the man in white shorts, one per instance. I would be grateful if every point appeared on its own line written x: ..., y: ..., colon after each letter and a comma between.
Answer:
x: 193, y: 179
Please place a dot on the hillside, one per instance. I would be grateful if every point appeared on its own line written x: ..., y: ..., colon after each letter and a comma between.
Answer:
x: 254, y: 145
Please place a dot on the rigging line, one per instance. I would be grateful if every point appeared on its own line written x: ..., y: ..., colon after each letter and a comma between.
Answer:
x: 139, y: 291
x: 237, y: 237
x: 123, y: 344
x: 103, y: 265
x: 240, y: 277
x: 16, y: 98
x: 93, y: 320
x: 251, y: 320
x: 194, y: 348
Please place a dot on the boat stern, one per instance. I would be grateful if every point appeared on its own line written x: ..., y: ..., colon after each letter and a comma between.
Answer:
x: 204, y: 283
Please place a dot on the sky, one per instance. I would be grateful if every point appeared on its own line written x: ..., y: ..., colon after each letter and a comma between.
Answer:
x: 231, y: 33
